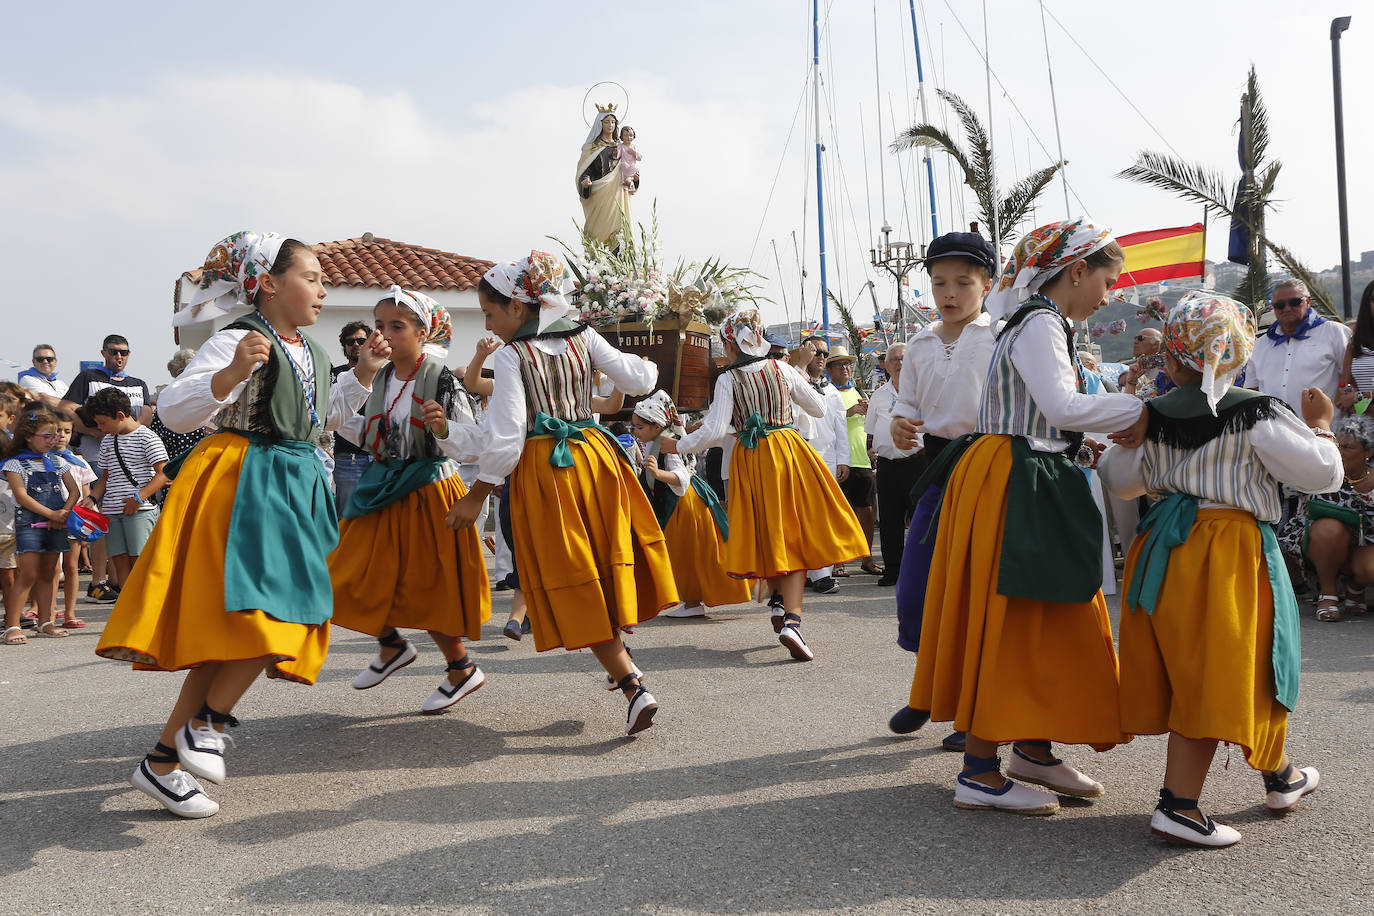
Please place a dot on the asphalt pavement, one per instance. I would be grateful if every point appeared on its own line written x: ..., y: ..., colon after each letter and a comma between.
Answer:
x: 765, y: 785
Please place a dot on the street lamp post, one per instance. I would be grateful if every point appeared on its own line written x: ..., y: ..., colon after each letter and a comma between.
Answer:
x: 1338, y: 26
x: 899, y: 259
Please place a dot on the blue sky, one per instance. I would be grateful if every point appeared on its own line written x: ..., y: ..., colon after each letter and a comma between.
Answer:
x: 132, y: 137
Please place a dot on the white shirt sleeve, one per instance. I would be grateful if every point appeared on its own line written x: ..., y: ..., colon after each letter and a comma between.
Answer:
x: 674, y: 465
x: 505, y: 428
x: 187, y: 403
x: 716, y: 425
x: 1123, y: 472
x: 465, y: 435
x: 1294, y: 456
x: 630, y: 373
x: 839, y: 444
x: 1042, y: 360
x: 346, y: 395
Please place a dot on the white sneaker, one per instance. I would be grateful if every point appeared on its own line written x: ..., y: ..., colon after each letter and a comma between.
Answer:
x: 1282, y: 796
x: 446, y: 694
x: 1059, y: 776
x: 201, y: 750
x: 1014, y: 797
x: 178, y: 791
x: 687, y: 610
x: 641, y: 712
x: 790, y: 636
x: 1176, y: 828
x: 377, y: 672
x: 634, y: 669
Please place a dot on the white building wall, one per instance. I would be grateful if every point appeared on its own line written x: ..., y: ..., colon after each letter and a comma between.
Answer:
x: 353, y: 303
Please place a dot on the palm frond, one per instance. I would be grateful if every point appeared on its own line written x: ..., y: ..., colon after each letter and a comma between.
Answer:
x: 1189, y: 180
x: 1018, y: 200
x: 1264, y: 185
x: 1259, y: 119
x: 928, y: 135
x: 983, y: 165
x: 1297, y: 269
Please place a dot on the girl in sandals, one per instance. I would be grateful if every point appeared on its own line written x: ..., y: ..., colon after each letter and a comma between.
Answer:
x: 774, y: 474
x: 1335, y: 531
x: 1209, y: 624
x: 233, y: 580
x: 592, y: 558
x: 397, y: 565
x: 37, y: 479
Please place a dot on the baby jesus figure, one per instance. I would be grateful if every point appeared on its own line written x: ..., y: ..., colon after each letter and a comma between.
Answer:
x: 629, y: 159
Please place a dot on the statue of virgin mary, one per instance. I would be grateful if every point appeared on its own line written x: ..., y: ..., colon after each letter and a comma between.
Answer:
x: 605, y: 200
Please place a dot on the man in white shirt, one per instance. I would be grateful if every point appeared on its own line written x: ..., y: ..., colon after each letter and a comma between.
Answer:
x: 898, y: 468
x: 828, y: 435
x: 42, y: 379
x: 1300, y: 350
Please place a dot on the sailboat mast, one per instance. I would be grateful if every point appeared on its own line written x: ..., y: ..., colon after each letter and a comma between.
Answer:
x: 820, y: 195
x: 925, y: 119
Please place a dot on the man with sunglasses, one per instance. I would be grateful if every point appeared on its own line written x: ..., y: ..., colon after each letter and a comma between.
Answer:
x: 42, y: 379
x: 1300, y: 350
x: 115, y: 352
x: 349, y: 459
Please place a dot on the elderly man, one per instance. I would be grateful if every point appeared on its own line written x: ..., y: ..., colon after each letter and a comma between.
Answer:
x: 1300, y: 350
x: 859, y: 485
x: 898, y: 468
x: 1145, y: 377
x: 41, y: 380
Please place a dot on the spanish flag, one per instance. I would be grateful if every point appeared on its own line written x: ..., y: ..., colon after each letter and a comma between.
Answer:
x: 1162, y: 254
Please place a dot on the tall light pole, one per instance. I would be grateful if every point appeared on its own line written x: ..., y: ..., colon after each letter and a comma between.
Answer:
x: 1338, y: 26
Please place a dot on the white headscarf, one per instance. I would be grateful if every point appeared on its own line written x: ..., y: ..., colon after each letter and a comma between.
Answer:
x: 228, y: 278
x: 1038, y: 257
x: 745, y: 330
x: 434, y: 318
x: 659, y: 409
x: 538, y: 278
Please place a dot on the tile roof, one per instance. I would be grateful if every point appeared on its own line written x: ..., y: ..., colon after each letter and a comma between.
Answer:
x: 372, y: 261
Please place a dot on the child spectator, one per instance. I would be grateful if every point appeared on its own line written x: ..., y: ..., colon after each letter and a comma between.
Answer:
x: 71, y: 572
x: 130, y: 467
x: 9, y: 409
x: 35, y: 478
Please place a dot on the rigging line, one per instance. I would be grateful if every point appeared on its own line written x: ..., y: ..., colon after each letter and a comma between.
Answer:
x: 911, y: 115
x: 787, y: 145
x: 906, y: 212
x: 1054, y: 107
x: 944, y: 125
x: 878, y: 121
x: 1110, y: 81
x: 1012, y: 102
x: 868, y: 190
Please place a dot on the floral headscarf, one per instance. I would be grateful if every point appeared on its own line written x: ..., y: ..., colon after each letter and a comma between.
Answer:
x: 433, y: 316
x: 538, y: 278
x: 1038, y: 257
x: 228, y: 278
x: 1214, y: 335
x: 744, y: 329
x: 659, y: 409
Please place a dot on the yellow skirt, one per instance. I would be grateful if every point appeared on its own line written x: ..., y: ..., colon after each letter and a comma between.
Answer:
x: 590, y: 553
x: 170, y: 614
x: 403, y: 567
x: 698, y: 555
x: 1201, y: 664
x: 1006, y: 669
x: 786, y: 511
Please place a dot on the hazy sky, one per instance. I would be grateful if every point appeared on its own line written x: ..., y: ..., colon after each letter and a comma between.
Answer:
x: 133, y: 136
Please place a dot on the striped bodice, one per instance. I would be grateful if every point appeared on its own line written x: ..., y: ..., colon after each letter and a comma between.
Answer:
x: 764, y: 392
x: 1007, y: 407
x: 1224, y: 470
x: 558, y: 384
x: 1362, y: 371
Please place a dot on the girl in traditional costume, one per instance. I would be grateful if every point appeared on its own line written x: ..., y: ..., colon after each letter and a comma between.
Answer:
x: 774, y: 475
x: 591, y: 556
x: 1016, y: 644
x: 234, y: 579
x: 693, y: 520
x: 397, y: 564
x: 1209, y: 624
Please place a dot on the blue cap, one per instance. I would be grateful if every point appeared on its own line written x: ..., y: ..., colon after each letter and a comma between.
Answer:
x: 969, y: 245
x: 775, y: 340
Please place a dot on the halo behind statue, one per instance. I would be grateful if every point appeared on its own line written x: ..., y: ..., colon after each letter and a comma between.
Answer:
x: 620, y: 110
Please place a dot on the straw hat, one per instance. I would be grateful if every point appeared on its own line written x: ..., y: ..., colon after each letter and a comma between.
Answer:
x: 838, y: 354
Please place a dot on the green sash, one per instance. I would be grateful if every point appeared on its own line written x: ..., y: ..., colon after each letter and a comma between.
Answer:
x: 563, y: 430
x: 281, y: 529
x: 754, y: 430
x: 387, y: 480
x: 1166, y: 526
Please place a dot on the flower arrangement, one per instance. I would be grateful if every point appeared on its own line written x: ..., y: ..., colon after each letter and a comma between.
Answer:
x: 630, y: 284
x: 1154, y: 310
x: 1099, y: 331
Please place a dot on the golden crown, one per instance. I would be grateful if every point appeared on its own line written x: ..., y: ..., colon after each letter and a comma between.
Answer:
x: 605, y: 109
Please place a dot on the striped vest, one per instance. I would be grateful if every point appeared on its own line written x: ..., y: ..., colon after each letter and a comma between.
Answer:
x: 560, y: 384
x: 1006, y: 407
x: 764, y: 392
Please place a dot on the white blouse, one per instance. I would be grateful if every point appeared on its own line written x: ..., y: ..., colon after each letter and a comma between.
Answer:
x: 878, y: 423
x: 716, y: 425
x: 942, y: 384
x: 507, y: 421
x: 456, y: 447
x: 188, y: 403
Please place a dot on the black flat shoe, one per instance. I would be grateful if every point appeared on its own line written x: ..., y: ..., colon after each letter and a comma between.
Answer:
x: 907, y: 720
x: 956, y: 741
x: 513, y: 630
x: 888, y: 581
